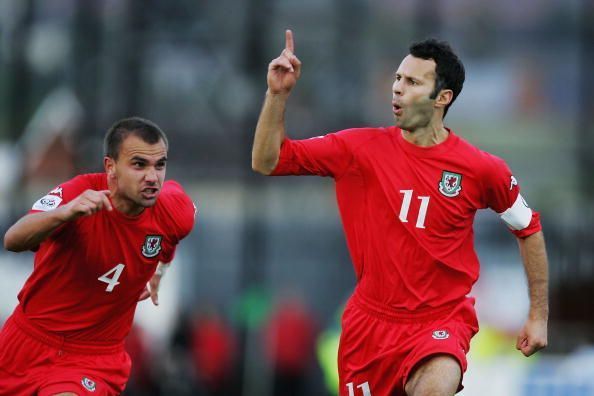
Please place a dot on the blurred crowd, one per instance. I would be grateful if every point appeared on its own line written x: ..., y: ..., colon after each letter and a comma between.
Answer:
x: 206, y: 355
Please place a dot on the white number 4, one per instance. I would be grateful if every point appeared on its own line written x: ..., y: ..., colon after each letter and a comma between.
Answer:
x: 113, y: 281
x: 364, y: 388
x: 403, y: 216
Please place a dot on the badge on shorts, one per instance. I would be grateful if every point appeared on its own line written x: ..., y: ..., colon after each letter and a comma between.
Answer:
x: 440, y: 334
x: 88, y: 384
x: 151, y: 246
x: 450, y: 183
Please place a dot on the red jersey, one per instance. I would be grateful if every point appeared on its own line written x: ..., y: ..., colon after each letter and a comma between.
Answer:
x: 89, y: 273
x: 407, y: 211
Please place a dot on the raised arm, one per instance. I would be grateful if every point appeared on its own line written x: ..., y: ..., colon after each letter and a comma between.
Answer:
x: 533, y: 336
x: 34, y: 228
x: 283, y: 73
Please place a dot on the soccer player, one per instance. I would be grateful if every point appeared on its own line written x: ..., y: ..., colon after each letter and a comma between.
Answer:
x: 99, y: 238
x: 407, y: 196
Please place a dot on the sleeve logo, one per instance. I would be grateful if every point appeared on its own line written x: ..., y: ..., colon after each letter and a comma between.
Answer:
x: 47, y: 203
x: 513, y: 182
x: 56, y: 191
x: 450, y: 184
x: 151, y: 246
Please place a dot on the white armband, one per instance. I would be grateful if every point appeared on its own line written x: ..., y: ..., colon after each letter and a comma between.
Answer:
x: 162, y: 268
x: 518, y: 216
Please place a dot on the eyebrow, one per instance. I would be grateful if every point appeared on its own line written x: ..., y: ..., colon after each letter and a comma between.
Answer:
x: 137, y: 158
x: 396, y: 74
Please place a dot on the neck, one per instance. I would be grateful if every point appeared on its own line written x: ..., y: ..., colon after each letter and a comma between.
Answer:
x: 122, y: 204
x: 427, y: 136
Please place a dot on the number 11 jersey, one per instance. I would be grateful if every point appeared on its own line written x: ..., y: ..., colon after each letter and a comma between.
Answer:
x: 408, y: 211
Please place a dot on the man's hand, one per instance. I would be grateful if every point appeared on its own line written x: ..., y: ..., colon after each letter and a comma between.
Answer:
x: 86, y: 204
x: 152, y: 290
x: 284, y: 71
x: 34, y: 228
x: 533, y: 336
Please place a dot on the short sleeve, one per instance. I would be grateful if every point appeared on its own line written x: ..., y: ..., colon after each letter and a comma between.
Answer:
x: 327, y: 155
x: 180, y: 212
x: 502, y: 194
x: 61, y: 195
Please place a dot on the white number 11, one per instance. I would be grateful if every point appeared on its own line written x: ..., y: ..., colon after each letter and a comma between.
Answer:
x: 403, y: 216
x: 364, y: 387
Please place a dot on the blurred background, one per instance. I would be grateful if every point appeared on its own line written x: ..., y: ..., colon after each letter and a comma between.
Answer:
x: 252, y: 306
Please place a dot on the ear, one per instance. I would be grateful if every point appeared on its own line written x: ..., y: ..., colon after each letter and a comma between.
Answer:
x: 109, y: 166
x: 444, y: 98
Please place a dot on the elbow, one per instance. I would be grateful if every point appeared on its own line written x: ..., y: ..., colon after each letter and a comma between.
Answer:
x: 10, y: 243
x: 262, y: 167
x: 13, y: 242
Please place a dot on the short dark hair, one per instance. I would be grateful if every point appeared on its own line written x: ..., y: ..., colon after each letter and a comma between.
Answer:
x: 448, y: 67
x: 146, y: 130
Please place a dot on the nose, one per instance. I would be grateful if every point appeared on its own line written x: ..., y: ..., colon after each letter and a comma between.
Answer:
x: 397, y: 87
x: 151, y: 175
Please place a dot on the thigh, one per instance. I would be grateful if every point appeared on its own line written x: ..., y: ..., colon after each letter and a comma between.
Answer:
x: 65, y: 394
x: 442, y: 345
x: 435, y: 375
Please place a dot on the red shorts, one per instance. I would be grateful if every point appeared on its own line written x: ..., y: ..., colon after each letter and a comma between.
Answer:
x: 33, y: 362
x: 379, y: 348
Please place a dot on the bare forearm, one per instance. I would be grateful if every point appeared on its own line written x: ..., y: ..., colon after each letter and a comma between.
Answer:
x: 270, y: 132
x: 534, y: 256
x: 32, y: 229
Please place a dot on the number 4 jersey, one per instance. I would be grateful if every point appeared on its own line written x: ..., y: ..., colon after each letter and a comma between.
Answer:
x: 88, y: 275
x: 408, y: 211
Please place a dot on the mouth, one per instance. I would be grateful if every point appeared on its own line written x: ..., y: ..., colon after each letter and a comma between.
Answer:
x: 149, y: 192
x: 396, y: 109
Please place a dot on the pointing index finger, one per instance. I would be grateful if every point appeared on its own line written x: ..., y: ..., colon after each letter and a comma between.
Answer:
x: 289, y: 41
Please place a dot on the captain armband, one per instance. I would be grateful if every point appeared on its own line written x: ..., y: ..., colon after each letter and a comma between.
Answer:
x: 518, y: 216
x: 162, y: 268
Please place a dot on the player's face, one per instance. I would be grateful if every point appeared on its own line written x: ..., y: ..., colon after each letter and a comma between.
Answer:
x: 138, y: 173
x: 413, y: 85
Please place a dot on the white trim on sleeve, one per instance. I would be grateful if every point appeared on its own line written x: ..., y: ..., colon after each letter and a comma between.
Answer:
x: 518, y: 216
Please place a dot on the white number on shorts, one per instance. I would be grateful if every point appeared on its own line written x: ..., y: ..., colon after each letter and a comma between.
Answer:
x: 113, y: 281
x: 403, y: 216
x: 364, y: 388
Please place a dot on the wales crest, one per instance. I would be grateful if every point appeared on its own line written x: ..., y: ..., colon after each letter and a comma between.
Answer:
x: 450, y: 183
x: 151, y: 246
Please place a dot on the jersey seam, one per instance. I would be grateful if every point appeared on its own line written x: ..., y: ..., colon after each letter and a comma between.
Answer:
x: 355, y: 152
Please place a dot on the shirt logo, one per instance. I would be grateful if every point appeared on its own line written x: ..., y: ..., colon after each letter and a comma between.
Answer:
x: 151, y: 246
x: 47, y: 203
x: 440, y: 334
x: 450, y: 184
x: 513, y: 182
x: 56, y: 191
x: 88, y: 384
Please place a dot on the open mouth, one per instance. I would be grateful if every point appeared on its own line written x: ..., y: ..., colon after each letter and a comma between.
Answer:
x: 149, y: 192
x: 396, y: 109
